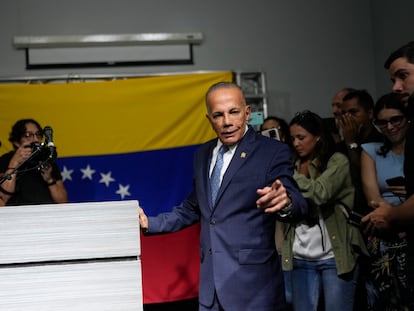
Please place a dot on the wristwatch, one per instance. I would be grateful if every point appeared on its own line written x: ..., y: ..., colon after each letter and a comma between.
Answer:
x: 53, y: 182
x: 287, y: 210
x: 352, y: 146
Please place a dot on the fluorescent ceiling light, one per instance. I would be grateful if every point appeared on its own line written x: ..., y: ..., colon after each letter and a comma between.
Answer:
x: 107, y: 40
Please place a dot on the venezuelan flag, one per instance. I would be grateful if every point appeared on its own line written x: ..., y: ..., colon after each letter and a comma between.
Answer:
x: 130, y: 139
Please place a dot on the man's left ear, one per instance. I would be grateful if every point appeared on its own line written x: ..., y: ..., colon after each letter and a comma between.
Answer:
x: 248, y: 113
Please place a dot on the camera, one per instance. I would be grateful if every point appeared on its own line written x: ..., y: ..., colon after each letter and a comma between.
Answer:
x: 40, y: 153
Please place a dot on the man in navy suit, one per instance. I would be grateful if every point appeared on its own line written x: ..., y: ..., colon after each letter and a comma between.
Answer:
x: 240, y: 268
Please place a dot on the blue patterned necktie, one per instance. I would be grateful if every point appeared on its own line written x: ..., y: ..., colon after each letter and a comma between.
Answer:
x: 215, y: 175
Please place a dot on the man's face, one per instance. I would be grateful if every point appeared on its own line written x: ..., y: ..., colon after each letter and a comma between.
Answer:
x: 402, y: 77
x: 228, y: 114
x: 352, y: 108
x: 337, y: 103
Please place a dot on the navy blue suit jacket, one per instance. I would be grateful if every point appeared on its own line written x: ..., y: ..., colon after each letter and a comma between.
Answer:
x: 238, y: 256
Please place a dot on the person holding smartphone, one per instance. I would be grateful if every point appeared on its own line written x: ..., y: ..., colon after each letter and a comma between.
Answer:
x: 277, y: 128
x: 400, y: 66
x: 381, y: 169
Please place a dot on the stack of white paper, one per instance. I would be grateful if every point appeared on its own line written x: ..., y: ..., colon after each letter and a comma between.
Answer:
x: 81, y: 256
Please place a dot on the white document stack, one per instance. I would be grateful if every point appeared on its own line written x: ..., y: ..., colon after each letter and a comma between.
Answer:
x: 83, y: 256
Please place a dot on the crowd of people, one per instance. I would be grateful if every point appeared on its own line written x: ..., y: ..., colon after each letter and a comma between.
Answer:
x: 308, y: 218
x: 348, y: 245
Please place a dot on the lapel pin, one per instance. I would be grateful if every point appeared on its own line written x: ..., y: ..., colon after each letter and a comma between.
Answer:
x: 243, y: 155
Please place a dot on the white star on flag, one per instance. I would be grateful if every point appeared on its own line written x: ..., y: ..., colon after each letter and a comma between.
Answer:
x: 87, y: 172
x: 106, y: 178
x: 66, y: 174
x: 123, y: 191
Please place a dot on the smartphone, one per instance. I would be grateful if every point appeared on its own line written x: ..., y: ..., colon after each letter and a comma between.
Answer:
x: 396, y: 181
x: 272, y: 133
x: 355, y: 218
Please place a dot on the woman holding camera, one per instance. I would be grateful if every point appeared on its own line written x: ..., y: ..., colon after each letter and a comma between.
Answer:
x: 29, y: 173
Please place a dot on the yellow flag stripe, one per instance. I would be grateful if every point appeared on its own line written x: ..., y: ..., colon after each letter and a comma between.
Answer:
x: 114, y: 116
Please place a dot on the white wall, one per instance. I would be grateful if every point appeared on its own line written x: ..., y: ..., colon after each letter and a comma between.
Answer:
x: 393, y: 22
x: 308, y: 49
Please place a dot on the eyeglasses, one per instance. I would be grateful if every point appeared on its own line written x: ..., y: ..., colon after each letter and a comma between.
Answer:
x: 394, y: 121
x: 38, y: 134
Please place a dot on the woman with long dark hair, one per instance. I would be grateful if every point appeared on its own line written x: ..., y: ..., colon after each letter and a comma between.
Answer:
x: 382, y: 175
x: 322, y: 250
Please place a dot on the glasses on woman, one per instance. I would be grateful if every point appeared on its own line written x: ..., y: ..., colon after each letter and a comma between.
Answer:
x: 38, y: 134
x: 394, y: 121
